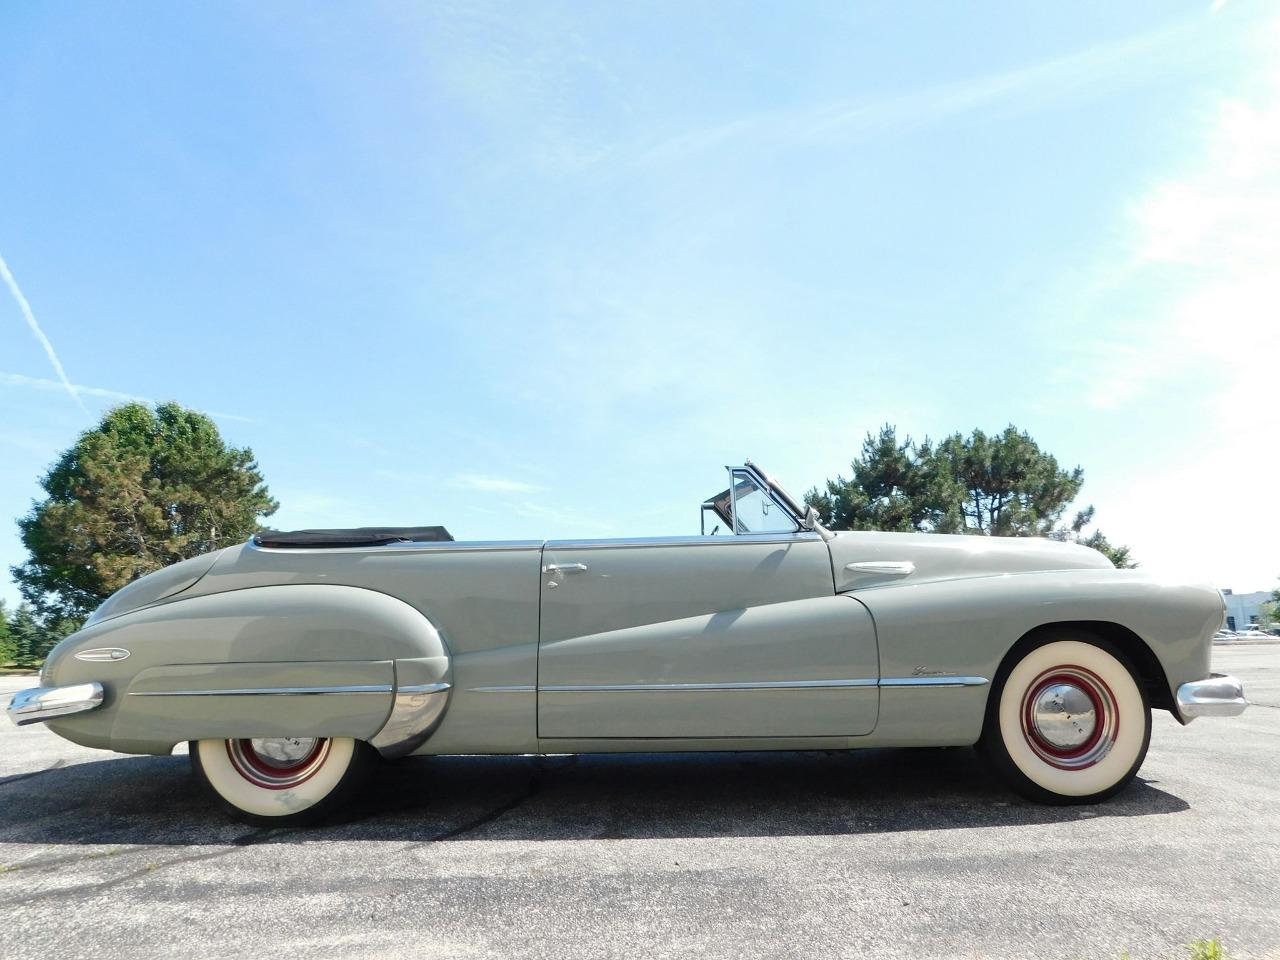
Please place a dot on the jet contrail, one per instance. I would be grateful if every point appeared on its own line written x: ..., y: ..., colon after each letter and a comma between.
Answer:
x: 35, y: 328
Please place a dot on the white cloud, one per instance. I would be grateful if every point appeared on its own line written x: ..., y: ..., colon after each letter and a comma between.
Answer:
x: 1028, y: 86
x: 1209, y: 236
x: 30, y: 317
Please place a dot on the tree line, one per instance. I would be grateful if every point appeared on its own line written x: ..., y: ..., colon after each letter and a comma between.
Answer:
x: 26, y: 638
x: 1002, y: 485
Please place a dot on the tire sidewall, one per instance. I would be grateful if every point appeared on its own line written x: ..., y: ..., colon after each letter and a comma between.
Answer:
x: 344, y: 770
x: 1004, y: 743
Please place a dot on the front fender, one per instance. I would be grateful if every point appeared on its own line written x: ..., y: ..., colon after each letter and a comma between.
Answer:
x: 966, y: 626
x: 288, y: 660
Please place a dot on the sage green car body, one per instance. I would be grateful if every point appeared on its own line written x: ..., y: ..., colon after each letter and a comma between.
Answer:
x: 769, y: 641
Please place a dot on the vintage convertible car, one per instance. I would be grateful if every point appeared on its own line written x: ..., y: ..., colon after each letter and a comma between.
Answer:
x: 290, y: 662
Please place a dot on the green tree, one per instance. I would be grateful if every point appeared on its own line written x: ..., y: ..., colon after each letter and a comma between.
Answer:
x: 8, y: 649
x: 26, y: 636
x: 1118, y: 555
x: 1001, y: 485
x: 891, y: 488
x: 144, y: 489
x: 1267, y: 615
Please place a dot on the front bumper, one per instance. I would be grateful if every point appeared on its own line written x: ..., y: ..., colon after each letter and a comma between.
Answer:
x: 1217, y: 695
x: 44, y: 703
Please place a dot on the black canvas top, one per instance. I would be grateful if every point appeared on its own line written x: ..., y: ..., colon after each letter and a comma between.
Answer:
x: 358, y: 537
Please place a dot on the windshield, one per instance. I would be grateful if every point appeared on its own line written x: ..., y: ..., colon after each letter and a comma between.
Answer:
x: 748, y: 506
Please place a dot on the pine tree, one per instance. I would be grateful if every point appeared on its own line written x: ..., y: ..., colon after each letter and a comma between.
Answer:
x: 8, y: 649
x: 1002, y: 485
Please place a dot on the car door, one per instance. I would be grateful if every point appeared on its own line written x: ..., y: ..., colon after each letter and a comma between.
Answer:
x: 701, y: 637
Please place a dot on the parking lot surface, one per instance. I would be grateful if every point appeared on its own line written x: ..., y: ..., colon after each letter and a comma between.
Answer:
x: 913, y: 853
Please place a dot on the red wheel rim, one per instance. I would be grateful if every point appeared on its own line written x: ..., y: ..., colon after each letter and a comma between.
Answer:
x: 1042, y: 707
x: 279, y: 769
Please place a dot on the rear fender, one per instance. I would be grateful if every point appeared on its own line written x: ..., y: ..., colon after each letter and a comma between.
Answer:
x: 289, y: 660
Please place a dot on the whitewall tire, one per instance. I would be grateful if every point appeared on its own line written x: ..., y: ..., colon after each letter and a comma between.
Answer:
x: 281, y: 781
x: 1068, y: 720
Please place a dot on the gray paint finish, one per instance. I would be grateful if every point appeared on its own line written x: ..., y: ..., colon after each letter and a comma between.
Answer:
x: 769, y: 642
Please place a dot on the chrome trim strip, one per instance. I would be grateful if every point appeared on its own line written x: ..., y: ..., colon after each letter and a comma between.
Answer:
x: 1217, y: 695
x: 934, y: 682
x: 37, y: 704
x: 509, y: 688
x: 699, y: 687
x: 740, y: 539
x: 881, y: 568
x: 103, y: 655
x: 267, y: 691
x: 424, y: 687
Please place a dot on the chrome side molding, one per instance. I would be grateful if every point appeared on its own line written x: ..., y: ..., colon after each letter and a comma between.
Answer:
x: 103, y: 654
x: 38, y: 704
x: 267, y: 691
x: 932, y: 682
x: 704, y: 687
x: 882, y: 568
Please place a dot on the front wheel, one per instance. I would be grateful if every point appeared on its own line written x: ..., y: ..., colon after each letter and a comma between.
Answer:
x: 1068, y: 722
x: 282, y: 781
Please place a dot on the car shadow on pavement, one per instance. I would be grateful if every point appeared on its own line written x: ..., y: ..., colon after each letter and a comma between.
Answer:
x: 155, y: 800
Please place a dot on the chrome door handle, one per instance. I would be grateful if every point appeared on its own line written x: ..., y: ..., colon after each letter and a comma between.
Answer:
x: 882, y: 568
x: 565, y: 568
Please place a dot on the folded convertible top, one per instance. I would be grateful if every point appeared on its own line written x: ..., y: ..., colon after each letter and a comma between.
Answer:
x: 358, y: 537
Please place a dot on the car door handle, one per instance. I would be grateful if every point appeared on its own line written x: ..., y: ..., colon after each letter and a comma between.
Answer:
x: 565, y: 568
x: 882, y: 568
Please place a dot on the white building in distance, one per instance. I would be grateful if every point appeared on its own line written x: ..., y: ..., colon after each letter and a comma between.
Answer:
x: 1244, y: 608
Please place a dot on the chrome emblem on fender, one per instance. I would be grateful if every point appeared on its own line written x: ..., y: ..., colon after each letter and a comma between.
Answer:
x: 99, y: 654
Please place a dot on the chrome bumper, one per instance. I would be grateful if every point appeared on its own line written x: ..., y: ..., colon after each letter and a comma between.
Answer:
x: 45, y: 703
x: 1217, y: 695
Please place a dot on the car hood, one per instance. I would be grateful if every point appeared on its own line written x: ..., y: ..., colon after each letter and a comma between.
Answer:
x: 871, y: 558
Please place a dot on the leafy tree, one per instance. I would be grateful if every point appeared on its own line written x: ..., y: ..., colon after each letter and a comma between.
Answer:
x: 1001, y: 485
x: 8, y: 649
x: 1267, y: 615
x: 144, y: 489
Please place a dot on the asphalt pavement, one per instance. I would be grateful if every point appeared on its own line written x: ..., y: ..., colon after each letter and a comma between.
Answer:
x: 878, y: 853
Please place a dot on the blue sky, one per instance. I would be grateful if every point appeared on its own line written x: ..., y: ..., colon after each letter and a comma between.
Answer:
x: 541, y: 270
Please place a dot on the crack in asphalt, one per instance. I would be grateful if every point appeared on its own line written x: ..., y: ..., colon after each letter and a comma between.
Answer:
x: 531, y: 790
x: 57, y: 765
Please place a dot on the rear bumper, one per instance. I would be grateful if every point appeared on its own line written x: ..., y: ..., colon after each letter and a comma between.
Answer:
x: 44, y: 703
x: 1217, y: 695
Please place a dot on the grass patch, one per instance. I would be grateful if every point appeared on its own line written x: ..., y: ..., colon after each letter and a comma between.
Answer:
x: 1207, y: 950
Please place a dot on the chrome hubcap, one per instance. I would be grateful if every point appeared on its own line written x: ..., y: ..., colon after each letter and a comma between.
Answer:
x: 278, y: 763
x: 282, y: 751
x: 1069, y: 718
x: 1064, y: 715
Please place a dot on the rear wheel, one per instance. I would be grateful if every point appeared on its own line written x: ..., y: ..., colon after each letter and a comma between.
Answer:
x: 1068, y: 721
x: 282, y: 781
